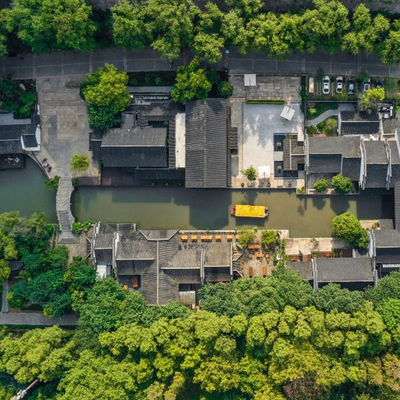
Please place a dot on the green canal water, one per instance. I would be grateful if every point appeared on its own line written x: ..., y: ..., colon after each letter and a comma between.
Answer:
x: 168, y: 208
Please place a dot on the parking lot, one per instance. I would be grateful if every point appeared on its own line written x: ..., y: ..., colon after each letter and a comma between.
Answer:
x: 344, y: 94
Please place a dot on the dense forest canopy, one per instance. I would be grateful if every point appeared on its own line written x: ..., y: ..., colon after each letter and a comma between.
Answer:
x: 262, y: 338
x: 169, y: 26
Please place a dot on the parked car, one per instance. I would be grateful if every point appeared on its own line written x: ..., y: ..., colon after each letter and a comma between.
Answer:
x: 351, y: 86
x: 339, y: 84
x: 326, y: 85
x: 379, y: 84
x: 367, y: 85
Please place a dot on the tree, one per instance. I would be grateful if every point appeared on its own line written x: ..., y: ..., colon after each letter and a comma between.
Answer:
x: 172, y: 23
x: 269, y: 238
x: 370, y: 99
x: 79, y: 163
x: 321, y: 185
x: 36, y: 354
x: 365, y: 32
x: 348, y: 227
x: 3, y: 32
x: 208, y: 47
x: 48, y: 24
x: 107, y: 88
x: 225, y: 89
x: 130, y: 28
x: 250, y: 173
x: 333, y: 297
x: 389, y: 49
x: 342, y: 184
x: 325, y: 25
x: 388, y: 288
x: 191, y: 83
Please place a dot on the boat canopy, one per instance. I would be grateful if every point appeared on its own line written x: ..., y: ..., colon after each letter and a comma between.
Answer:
x: 250, y: 211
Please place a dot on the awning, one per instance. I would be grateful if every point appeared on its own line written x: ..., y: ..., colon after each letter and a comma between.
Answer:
x: 264, y: 172
x: 287, y: 113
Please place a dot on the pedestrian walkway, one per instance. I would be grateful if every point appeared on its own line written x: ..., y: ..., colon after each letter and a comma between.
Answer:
x: 64, y: 214
x: 4, y: 302
x: 37, y: 319
x: 322, y: 117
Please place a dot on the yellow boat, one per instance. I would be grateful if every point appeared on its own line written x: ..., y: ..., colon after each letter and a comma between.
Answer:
x: 241, y: 210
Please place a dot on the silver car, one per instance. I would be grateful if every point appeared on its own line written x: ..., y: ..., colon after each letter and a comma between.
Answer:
x: 326, y: 85
x: 367, y: 84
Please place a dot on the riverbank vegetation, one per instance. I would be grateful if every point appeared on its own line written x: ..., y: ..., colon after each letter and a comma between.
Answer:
x: 262, y: 338
x: 170, y: 26
x: 348, y: 227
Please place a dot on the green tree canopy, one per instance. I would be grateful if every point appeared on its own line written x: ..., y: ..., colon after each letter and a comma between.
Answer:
x: 342, y: 184
x: 107, y: 88
x: 321, y: 185
x: 191, y: 83
x: 348, y: 227
x: 371, y: 98
x: 52, y: 24
x: 365, y: 31
x: 332, y: 297
x: 130, y: 27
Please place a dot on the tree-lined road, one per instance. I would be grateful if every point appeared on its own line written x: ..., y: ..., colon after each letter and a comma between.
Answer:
x: 68, y: 63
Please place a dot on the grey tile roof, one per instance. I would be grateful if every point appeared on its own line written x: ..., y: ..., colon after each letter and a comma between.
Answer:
x: 386, y: 223
x: 104, y: 241
x: 103, y: 256
x: 158, y: 234
x: 303, y: 267
x: 390, y: 125
x: 347, y: 146
x: 375, y: 152
x: 207, y: 144
x: 293, y: 154
x: 189, y: 258
x: 388, y: 255
x: 325, y: 163
x: 135, y: 148
x: 344, y: 270
x: 387, y: 238
x: 376, y: 176
x: 351, y: 168
x: 359, y: 128
x: 361, y: 116
x: 10, y: 138
x: 131, y: 249
x: 138, y: 137
x: 218, y: 255
x: 30, y: 140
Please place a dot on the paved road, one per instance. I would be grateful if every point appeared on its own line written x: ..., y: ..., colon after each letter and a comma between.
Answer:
x: 76, y: 63
x: 36, y: 319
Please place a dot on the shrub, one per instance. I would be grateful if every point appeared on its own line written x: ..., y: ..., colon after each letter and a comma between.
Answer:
x: 342, y: 184
x: 269, y: 238
x: 52, y: 183
x: 246, y: 237
x: 225, y: 89
x: 312, y: 130
x: 251, y: 173
x: 321, y: 185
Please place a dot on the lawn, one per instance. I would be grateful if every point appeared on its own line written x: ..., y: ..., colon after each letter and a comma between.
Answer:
x: 329, y: 126
x: 319, y: 108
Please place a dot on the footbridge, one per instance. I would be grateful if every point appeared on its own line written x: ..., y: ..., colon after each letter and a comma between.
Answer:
x: 64, y: 214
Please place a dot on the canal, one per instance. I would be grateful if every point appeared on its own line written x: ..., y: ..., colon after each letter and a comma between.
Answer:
x: 168, y: 208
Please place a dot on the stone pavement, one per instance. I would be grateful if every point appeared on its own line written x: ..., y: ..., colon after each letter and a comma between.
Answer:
x: 64, y: 214
x: 64, y: 63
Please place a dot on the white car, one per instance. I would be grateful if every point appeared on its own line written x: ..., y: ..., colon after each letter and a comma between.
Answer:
x: 367, y: 84
x: 326, y: 85
x: 339, y: 84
